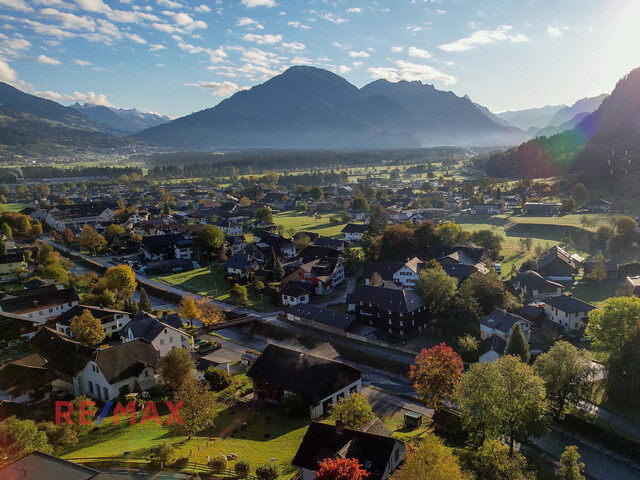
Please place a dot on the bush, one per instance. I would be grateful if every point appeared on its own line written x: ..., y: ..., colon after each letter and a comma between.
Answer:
x: 294, y: 405
x: 165, y: 453
x: 267, y: 471
x: 218, y: 379
x: 242, y: 468
x: 218, y: 464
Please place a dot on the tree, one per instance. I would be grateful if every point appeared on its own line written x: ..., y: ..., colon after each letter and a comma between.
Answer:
x: 492, y: 461
x: 239, y: 295
x: 217, y: 378
x: 5, y: 230
x: 378, y: 219
x: 469, y: 348
x: 274, y: 265
x: 436, y: 374
x: 376, y: 279
x: 188, y: 309
x: 504, y: 398
x: 87, y: 329
x: 209, y: 240
x: 360, y: 204
x: 176, y: 367
x: 267, y: 471
x: 488, y: 290
x: 430, y: 459
x: 210, y: 314
x: 437, y: 289
x: 3, y: 247
x: 353, y: 258
x: 598, y: 273
x: 316, y: 193
x: 91, y: 240
x: 489, y: 240
x: 111, y: 231
x: 517, y: 344
x: 568, y: 205
x: 302, y: 242
x: 579, y: 192
x: 264, y: 214
x: 566, y: 373
x: 144, y: 304
x: 341, y: 469
x: 21, y: 437
x: 626, y: 226
x: 623, y: 381
x: 355, y: 411
x: 569, y: 467
x: 242, y: 468
x: 613, y: 322
x: 121, y: 280
x: 165, y: 453
x: 199, y: 409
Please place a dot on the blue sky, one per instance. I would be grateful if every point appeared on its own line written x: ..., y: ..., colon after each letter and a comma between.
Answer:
x: 179, y: 56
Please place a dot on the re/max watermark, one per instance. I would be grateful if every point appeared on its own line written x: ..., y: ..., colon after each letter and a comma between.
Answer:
x: 86, y: 412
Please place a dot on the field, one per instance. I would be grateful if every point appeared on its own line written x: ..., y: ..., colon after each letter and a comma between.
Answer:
x: 12, y: 207
x: 210, y: 281
x: 319, y: 224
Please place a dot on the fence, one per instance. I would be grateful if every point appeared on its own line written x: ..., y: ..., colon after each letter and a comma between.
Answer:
x: 154, y: 464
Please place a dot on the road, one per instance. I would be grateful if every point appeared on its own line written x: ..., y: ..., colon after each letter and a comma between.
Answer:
x: 611, y: 418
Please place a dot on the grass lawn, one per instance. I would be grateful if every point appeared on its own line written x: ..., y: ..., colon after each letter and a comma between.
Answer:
x: 598, y: 395
x: 303, y: 221
x: 594, y: 292
x: 284, y: 435
x: 210, y: 281
x: 12, y: 207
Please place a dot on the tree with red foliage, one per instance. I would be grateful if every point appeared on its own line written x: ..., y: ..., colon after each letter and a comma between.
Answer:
x: 436, y: 374
x: 341, y: 469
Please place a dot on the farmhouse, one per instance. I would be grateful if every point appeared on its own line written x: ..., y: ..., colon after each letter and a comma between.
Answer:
x: 601, y: 206
x: 535, y: 286
x: 280, y: 371
x: 568, y: 312
x: 162, y: 333
x: 542, y: 208
x: 556, y: 264
x: 353, y: 232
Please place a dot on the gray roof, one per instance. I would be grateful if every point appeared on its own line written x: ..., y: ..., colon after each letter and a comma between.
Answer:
x: 322, y: 315
x: 501, y: 320
x: 126, y: 360
x: 394, y: 299
x: 41, y: 466
x: 492, y: 343
x: 533, y: 280
x: 147, y: 327
x: 569, y: 304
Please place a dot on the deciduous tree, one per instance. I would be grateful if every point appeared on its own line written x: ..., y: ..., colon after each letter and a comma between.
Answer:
x: 87, y: 329
x: 264, y: 214
x: 492, y: 461
x: 21, y: 437
x: 121, y: 280
x: 210, y: 314
x: 91, y: 240
x: 437, y: 289
x: 355, y: 411
x: 239, y: 295
x: 341, y: 469
x: 569, y: 467
x: 430, y: 459
x: 176, y: 367
x: 209, y: 239
x: 200, y: 407
x: 436, y: 374
x: 613, y: 322
x: 188, y: 309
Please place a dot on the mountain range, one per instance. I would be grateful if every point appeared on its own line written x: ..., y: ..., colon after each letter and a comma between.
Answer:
x: 614, y: 126
x: 123, y: 121
x: 308, y: 107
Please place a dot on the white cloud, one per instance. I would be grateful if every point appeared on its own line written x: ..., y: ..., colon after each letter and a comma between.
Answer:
x: 249, y: 22
x: 483, y: 37
x: 331, y: 17
x: 89, y: 97
x: 7, y: 74
x: 259, y: 3
x: 93, y: 5
x: 136, y: 38
x: 69, y: 20
x: 156, y: 46
x: 262, y: 39
x: 556, y: 31
x: 169, y: 4
x: 202, y: 9
x: 357, y: 64
x: 354, y: 10
x: 19, y: 5
x: 185, y: 21
x: 218, y: 89
x: 49, y: 95
x: 14, y: 46
x: 359, y: 54
x: 342, y: 69
x: 47, y: 60
x: 50, y: 30
x: 410, y: 72
x: 418, y: 52
x: 397, y: 49
x: 82, y: 63
x: 298, y: 25
x: 122, y: 16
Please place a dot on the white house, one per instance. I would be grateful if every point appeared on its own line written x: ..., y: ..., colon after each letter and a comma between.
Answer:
x: 353, y: 232
x: 568, y: 312
x: 162, y: 334
x: 111, y: 320
x: 40, y: 304
x: 501, y: 323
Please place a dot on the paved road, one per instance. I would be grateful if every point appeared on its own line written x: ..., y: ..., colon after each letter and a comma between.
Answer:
x: 385, y: 404
x: 612, y: 418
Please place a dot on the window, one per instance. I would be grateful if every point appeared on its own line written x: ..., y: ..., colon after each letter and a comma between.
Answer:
x: 90, y: 386
x: 161, y: 341
x: 401, y: 323
x: 170, y: 339
x: 146, y: 373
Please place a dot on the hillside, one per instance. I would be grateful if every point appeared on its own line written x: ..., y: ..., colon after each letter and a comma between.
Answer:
x: 531, y: 117
x: 307, y: 107
x: 615, y: 125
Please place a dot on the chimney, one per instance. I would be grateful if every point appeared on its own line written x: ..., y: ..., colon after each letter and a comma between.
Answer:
x: 339, y: 427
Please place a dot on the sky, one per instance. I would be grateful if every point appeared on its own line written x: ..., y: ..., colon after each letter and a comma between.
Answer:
x: 175, y: 57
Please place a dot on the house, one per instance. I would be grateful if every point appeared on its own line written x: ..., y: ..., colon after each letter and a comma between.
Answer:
x: 610, y: 267
x: 542, y: 208
x: 494, y: 208
x: 568, y: 311
x: 556, y: 264
x: 283, y: 247
x: 241, y: 264
x: 598, y: 206
x: 320, y: 318
x: 235, y: 243
x: 337, y: 243
x: 460, y: 262
x: 295, y: 293
x: 160, y: 247
x: 172, y: 265
x: 534, y: 286
x: 323, y: 273
x: 127, y: 367
x: 40, y: 304
x: 27, y: 380
x: 163, y: 333
x: 229, y: 228
x: 634, y: 283
x: 405, y: 274
x: 12, y: 262
x: 353, y: 232
x: 491, y: 348
x: 390, y: 308
x: 111, y: 320
x: 378, y: 454
x: 184, y: 249
x: 501, y: 323
x: 78, y: 215
x: 42, y: 466
x: 280, y: 371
